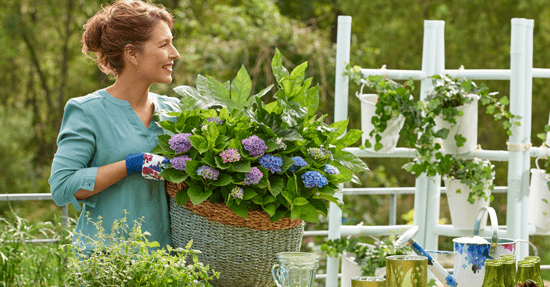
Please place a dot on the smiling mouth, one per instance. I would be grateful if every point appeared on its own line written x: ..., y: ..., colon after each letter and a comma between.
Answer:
x: 167, y: 67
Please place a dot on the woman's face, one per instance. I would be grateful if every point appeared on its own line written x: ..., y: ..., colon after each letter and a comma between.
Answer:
x: 157, y: 58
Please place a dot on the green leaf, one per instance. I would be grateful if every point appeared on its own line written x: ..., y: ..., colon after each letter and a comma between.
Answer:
x: 309, y: 213
x: 300, y: 201
x: 319, y: 205
x: 197, y: 141
x: 182, y: 197
x: 350, y: 161
x: 350, y: 138
x: 197, y: 195
x: 339, y: 127
x: 223, y: 179
x: 330, y: 198
x: 277, y: 66
x: 240, y: 90
x: 191, y: 169
x: 163, y: 143
x: 280, y: 214
x: 212, y: 91
x: 173, y: 175
x: 277, y: 183
x: 242, y: 166
x: 240, y: 210
x: 168, y: 125
x: 249, y: 193
x: 311, y: 100
x: 299, y: 71
x: 270, y: 209
x: 295, y: 212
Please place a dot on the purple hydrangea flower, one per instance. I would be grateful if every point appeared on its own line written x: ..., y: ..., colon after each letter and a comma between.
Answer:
x: 237, y: 192
x: 217, y: 120
x: 253, y: 177
x: 330, y: 169
x: 318, y: 153
x: 180, y: 142
x: 208, y: 172
x: 298, y: 163
x: 314, y: 178
x: 180, y: 162
x: 230, y: 155
x: 280, y: 144
x: 254, y: 145
x: 273, y: 163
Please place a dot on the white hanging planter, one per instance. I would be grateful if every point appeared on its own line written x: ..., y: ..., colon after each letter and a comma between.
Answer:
x: 465, y: 126
x: 390, y: 136
x: 463, y: 213
x: 539, y: 199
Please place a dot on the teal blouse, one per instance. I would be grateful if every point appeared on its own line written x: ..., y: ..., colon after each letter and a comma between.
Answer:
x: 97, y: 130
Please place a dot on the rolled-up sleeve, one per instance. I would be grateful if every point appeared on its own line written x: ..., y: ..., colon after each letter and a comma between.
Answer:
x: 71, y: 170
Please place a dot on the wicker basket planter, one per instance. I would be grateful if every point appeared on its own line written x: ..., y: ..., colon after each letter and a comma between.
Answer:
x: 242, y: 250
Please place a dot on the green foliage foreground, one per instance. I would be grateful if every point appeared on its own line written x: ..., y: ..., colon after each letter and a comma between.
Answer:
x: 123, y: 257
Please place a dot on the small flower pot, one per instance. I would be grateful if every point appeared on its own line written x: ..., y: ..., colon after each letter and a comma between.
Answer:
x: 539, y: 199
x: 463, y: 213
x: 390, y: 135
x: 465, y: 126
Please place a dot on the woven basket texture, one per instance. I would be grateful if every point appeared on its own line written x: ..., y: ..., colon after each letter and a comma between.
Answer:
x: 243, y: 256
x: 219, y: 212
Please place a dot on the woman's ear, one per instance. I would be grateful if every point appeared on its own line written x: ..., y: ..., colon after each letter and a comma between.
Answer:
x: 130, y: 54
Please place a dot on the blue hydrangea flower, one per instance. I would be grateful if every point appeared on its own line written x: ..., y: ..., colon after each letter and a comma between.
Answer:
x: 180, y: 162
x: 280, y: 144
x: 298, y: 163
x: 330, y: 169
x: 314, y: 178
x: 230, y: 155
x: 208, y: 172
x: 273, y: 163
x: 180, y: 142
x: 253, y: 177
x: 254, y: 145
x: 319, y: 153
x: 237, y: 192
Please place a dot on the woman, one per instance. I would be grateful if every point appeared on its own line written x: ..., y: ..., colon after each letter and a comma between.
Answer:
x: 103, y: 135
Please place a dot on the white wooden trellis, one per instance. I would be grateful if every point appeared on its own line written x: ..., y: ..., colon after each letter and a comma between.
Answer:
x: 428, y: 190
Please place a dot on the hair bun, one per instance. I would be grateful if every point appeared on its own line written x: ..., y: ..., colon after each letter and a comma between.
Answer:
x: 91, y: 40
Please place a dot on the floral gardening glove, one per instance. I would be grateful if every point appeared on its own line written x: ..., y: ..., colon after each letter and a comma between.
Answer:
x: 149, y: 165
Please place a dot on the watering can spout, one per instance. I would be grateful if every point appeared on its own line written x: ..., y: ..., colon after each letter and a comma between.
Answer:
x: 407, y: 238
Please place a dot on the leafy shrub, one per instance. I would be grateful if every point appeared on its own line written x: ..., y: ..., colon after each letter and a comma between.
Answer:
x: 125, y: 257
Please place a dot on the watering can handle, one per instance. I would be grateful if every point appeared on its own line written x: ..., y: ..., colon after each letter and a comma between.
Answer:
x: 535, y: 252
x: 494, y: 227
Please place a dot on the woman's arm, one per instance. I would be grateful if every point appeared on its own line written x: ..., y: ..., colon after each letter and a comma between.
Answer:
x: 106, y: 176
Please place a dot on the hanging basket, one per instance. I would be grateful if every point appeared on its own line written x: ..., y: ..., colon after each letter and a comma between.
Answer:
x: 466, y: 125
x: 242, y: 250
x: 390, y: 135
x: 539, y: 199
x: 464, y: 213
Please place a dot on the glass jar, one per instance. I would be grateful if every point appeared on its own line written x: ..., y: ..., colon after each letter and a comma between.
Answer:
x: 509, y: 271
x: 525, y: 270
x: 493, y: 273
x: 536, y: 269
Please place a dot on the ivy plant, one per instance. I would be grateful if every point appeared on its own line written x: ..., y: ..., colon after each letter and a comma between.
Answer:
x: 420, y: 132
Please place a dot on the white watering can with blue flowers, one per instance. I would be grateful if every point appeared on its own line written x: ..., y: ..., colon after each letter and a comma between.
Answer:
x: 470, y: 253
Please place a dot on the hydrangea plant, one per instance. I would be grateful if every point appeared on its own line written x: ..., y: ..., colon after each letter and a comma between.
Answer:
x: 228, y: 146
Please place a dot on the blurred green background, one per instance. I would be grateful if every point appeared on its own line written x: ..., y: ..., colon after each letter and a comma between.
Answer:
x: 42, y: 67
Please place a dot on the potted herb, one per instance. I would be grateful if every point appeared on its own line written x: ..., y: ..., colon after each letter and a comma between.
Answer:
x: 539, y: 190
x: 469, y: 185
x: 262, y: 167
x: 362, y: 259
x: 389, y: 114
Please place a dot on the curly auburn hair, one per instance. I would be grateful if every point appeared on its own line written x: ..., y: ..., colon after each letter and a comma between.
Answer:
x: 113, y: 27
